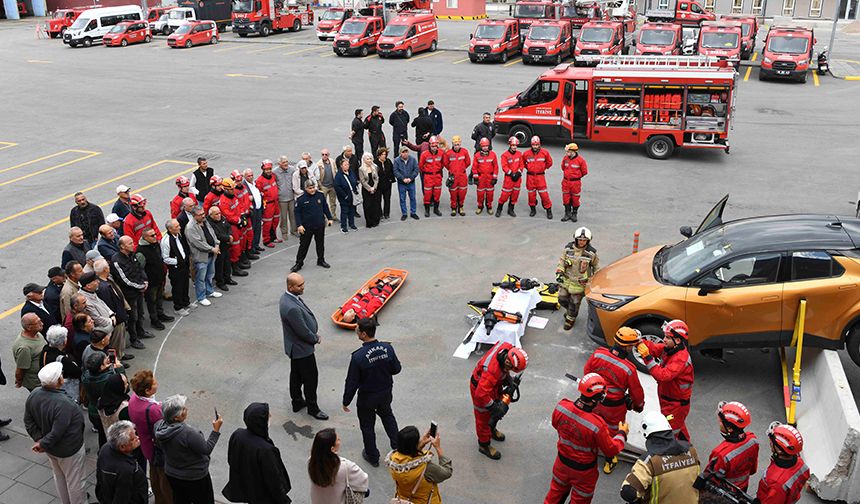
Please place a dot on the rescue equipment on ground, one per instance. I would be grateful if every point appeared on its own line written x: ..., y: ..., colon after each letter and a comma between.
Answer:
x: 337, y: 316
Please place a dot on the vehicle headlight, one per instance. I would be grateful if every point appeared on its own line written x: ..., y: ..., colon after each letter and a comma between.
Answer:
x: 354, y: 41
x: 502, y: 109
x: 621, y: 300
x: 604, y: 51
x: 802, y: 62
x: 496, y: 46
x: 551, y: 48
x: 768, y: 60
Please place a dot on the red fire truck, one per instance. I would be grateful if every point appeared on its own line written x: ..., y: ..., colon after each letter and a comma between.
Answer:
x: 265, y: 16
x: 528, y: 11
x: 62, y: 19
x: 579, y: 12
x: 495, y: 40
x: 686, y: 13
x: 721, y: 39
x: 663, y: 102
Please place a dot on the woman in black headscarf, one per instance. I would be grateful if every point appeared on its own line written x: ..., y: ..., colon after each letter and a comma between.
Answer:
x: 113, y: 402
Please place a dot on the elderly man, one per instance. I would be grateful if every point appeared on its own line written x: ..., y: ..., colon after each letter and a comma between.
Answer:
x: 115, y: 221
x: 57, y: 277
x: 175, y: 256
x: 256, y: 209
x: 301, y: 177
x: 108, y: 242
x: 223, y: 276
x: 34, y: 294
x: 149, y: 255
x: 55, y: 423
x: 110, y: 292
x: 119, y: 478
x: 26, y: 350
x: 204, y: 247
x: 103, y: 317
x: 92, y: 256
x: 186, y: 215
x: 122, y: 205
x: 312, y: 216
x: 127, y: 271
x: 286, y: 197
x: 77, y: 248
x: 74, y: 270
x: 86, y: 216
x: 326, y: 170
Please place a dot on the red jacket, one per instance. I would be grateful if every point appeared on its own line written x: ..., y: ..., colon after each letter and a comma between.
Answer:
x: 485, y: 166
x: 244, y: 197
x: 231, y: 208
x: 736, y: 460
x: 212, y: 198
x: 134, y: 226
x: 675, y: 375
x: 574, y: 168
x: 782, y: 485
x: 512, y: 162
x: 176, y: 203
x: 620, y: 375
x: 268, y: 189
x: 456, y: 161
x: 487, y: 377
x: 582, y: 433
x: 536, y: 163
x: 431, y: 164
x: 367, y: 304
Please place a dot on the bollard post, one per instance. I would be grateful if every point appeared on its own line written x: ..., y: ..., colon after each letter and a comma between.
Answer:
x: 635, y: 241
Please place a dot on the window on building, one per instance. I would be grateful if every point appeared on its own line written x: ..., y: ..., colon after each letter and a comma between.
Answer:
x: 737, y: 6
x: 451, y: 4
x: 815, y: 8
x: 662, y: 4
x: 757, y: 6
x: 788, y: 7
x: 710, y: 5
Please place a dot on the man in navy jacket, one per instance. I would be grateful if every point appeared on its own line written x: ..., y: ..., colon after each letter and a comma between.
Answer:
x: 312, y: 217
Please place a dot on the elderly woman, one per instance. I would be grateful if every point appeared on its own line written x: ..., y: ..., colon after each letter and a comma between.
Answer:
x: 186, y: 452
x: 368, y: 175
x: 56, y: 336
x: 98, y: 369
x: 113, y: 403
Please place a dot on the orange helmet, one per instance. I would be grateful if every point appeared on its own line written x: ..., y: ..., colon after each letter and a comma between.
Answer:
x: 519, y: 359
x: 137, y: 199
x: 627, y: 336
x: 236, y: 175
x: 214, y: 180
x: 228, y: 184
x: 535, y: 140
x: 182, y: 181
x: 676, y: 328
x: 485, y: 142
x: 513, y: 141
x: 734, y: 413
x: 592, y: 385
x: 786, y: 437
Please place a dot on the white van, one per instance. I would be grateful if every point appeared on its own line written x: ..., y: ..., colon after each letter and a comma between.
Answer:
x: 178, y: 16
x: 93, y: 24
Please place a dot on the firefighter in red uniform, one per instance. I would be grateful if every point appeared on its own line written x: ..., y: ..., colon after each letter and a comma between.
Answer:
x: 183, y: 184
x: 787, y: 474
x: 736, y: 458
x: 485, y: 173
x: 573, y: 168
x: 623, y: 390
x: 487, y: 387
x: 268, y: 187
x: 456, y: 160
x: 581, y: 433
x: 430, y: 167
x: 214, y: 194
x: 674, y: 376
x: 536, y: 162
x: 244, y: 196
x: 231, y: 209
x: 139, y: 220
x: 512, y: 167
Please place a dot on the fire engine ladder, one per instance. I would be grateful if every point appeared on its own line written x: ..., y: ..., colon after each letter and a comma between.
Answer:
x: 657, y: 62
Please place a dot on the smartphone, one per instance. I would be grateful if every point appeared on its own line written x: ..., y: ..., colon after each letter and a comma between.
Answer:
x: 433, y: 427
x: 216, y: 413
x: 112, y: 355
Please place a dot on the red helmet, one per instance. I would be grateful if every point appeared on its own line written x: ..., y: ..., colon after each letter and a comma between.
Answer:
x: 236, y: 175
x: 137, y: 199
x: 786, y: 437
x: 182, y: 181
x: 434, y: 140
x: 734, y: 413
x: 535, y: 140
x: 214, y: 180
x: 513, y: 141
x: 485, y: 142
x: 267, y: 163
x: 519, y: 359
x: 592, y: 385
x: 676, y: 328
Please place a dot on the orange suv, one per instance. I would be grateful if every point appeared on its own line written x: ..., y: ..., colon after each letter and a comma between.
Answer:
x: 738, y: 284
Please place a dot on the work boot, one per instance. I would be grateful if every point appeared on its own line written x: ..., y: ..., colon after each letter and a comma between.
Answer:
x: 511, y: 210
x: 453, y: 212
x: 609, y: 465
x: 237, y: 271
x: 568, y: 324
x: 573, y: 213
x: 533, y: 211
x: 549, y: 213
x: 499, y: 210
x: 436, y: 210
x: 462, y: 212
x: 566, y: 213
x: 489, y: 451
x: 489, y: 210
x: 252, y: 255
x: 479, y: 210
x: 426, y: 210
x: 498, y: 435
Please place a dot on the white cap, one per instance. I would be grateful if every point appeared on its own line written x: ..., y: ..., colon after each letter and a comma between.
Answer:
x: 111, y: 218
x: 51, y: 373
x: 122, y: 188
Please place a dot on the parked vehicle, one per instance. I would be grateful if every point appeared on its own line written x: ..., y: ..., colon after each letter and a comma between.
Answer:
x: 722, y: 40
x: 154, y: 13
x: 749, y: 31
x: 61, y: 19
x: 358, y: 36
x: 160, y: 26
x: 657, y: 39
x: 194, y: 33
x: 663, y: 102
x: 262, y: 17
x: 685, y: 13
x: 93, y: 24
x: 127, y: 32
x: 787, y: 53
x: 739, y: 284
x: 408, y: 33
x: 528, y: 11
x: 495, y: 40
x: 329, y: 23
x: 178, y: 16
x: 600, y: 38
x: 548, y: 42
x: 823, y: 65
x: 579, y: 12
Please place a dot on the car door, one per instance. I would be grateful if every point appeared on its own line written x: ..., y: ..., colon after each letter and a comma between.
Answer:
x: 746, y: 311
x: 133, y: 33
x: 542, y: 102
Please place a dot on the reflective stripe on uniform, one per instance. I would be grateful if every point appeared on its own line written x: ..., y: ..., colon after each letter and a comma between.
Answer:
x: 612, y: 361
x: 794, y: 477
x: 575, y: 446
x: 576, y: 418
x: 580, y: 492
x: 685, y: 386
x: 749, y: 443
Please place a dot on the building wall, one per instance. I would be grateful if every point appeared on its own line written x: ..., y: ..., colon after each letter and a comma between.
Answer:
x: 798, y: 9
x: 460, y: 9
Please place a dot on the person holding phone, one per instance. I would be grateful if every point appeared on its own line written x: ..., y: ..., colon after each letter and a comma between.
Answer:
x: 416, y: 476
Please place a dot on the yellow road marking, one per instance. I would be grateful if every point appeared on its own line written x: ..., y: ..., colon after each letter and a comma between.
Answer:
x: 460, y: 61
x: 513, y: 62
x: 852, y: 77
x: 815, y: 79
x: 427, y: 55
x: 317, y: 48
x: 247, y: 76
x: 755, y: 55
x: 4, y: 170
x: 747, y: 75
x: 225, y: 49
x: 44, y: 62
x: 328, y: 55
x: 7, y: 145
x: 65, y: 220
x: 45, y: 170
x: 10, y: 311
x: 267, y: 49
x: 849, y: 61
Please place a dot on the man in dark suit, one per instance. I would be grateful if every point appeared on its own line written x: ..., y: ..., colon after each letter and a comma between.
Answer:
x: 34, y: 294
x: 300, y: 335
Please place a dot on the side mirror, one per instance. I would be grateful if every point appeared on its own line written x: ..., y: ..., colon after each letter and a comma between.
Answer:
x: 471, y: 36
x: 708, y: 285
x: 686, y: 231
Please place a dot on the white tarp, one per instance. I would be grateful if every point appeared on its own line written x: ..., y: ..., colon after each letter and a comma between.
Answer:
x: 522, y: 302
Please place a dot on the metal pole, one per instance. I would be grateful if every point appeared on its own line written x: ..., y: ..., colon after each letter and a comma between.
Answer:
x: 833, y: 30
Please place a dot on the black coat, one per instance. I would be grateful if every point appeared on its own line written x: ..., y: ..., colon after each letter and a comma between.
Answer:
x: 483, y: 130
x: 386, y: 171
x: 129, y: 275
x: 119, y: 478
x: 153, y: 263
x: 52, y: 299
x: 257, y: 473
x: 44, y: 315
x: 423, y: 125
x: 222, y: 229
x: 113, y: 297
x: 88, y: 219
x: 399, y: 121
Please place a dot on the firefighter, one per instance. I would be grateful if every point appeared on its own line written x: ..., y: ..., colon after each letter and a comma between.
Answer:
x: 139, y: 220
x: 674, y: 375
x: 667, y: 471
x: 623, y: 390
x: 430, y: 167
x: 512, y: 167
x: 244, y: 196
x: 573, y: 168
x: 231, y: 210
x: 183, y: 184
x: 536, y: 162
x: 268, y: 187
x: 485, y: 173
x: 487, y: 384
x: 214, y: 195
x: 736, y: 458
x: 456, y: 160
x: 577, y: 265
x: 581, y: 433
x: 787, y: 474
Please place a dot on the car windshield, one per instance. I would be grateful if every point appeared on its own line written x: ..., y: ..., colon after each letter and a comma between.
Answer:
x: 596, y: 35
x: 243, y: 5
x: 785, y: 45
x: 530, y: 11
x: 59, y: 14
x: 680, y: 262
x: 118, y: 28
x: 80, y: 23
x: 163, y: 17
x: 716, y: 40
x: 544, y: 33
x: 353, y: 28
x: 657, y: 37
x: 331, y: 15
x: 745, y: 29
x: 571, y: 11
x: 395, y: 30
x: 182, y: 30
x: 492, y: 32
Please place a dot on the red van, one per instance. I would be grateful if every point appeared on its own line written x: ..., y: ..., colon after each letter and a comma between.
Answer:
x: 659, y: 39
x: 358, y: 35
x: 408, y: 33
x: 749, y: 30
x: 787, y: 53
x: 495, y: 40
x: 599, y: 38
x: 194, y: 33
x: 127, y: 32
x: 548, y: 41
x: 721, y: 39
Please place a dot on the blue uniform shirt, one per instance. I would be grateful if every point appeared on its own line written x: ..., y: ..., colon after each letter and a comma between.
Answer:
x: 371, y: 370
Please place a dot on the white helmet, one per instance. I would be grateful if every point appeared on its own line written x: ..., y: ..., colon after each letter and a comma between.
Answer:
x: 654, y: 421
x: 582, y: 232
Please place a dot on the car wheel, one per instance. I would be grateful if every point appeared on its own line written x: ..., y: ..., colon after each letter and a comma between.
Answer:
x: 124, y: 42
x: 473, y: 59
x: 243, y: 35
x: 659, y: 147
x: 364, y: 51
x: 62, y: 31
x: 804, y: 78
x: 504, y: 56
x: 73, y: 44
x: 852, y: 343
x: 187, y: 44
x: 522, y: 133
x: 147, y: 39
x: 297, y: 25
x: 408, y: 52
x: 433, y: 46
x: 265, y: 30
x: 88, y: 42
x: 54, y: 35
x: 214, y: 40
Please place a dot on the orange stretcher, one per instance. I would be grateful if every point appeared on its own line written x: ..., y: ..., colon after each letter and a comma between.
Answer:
x: 337, y: 316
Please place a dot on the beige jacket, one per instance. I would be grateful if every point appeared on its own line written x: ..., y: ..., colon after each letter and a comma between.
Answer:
x: 369, y: 177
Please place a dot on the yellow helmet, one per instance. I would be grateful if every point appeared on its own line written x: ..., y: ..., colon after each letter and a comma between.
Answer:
x: 455, y: 139
x: 627, y: 336
x: 571, y: 147
x: 227, y: 183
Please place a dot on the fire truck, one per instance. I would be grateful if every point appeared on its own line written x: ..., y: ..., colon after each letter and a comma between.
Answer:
x: 528, y: 11
x: 686, y: 13
x: 62, y: 19
x: 662, y: 102
x: 265, y: 16
x: 787, y: 53
x: 329, y: 23
x: 579, y: 12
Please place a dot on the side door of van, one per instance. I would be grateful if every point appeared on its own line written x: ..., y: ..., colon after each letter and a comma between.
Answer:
x: 512, y: 39
x: 542, y: 105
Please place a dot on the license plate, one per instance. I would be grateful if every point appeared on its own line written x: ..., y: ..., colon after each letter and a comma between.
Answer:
x: 782, y: 72
x: 481, y: 56
x: 537, y: 57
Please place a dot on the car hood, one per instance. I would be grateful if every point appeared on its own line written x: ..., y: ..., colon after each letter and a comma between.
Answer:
x: 629, y: 276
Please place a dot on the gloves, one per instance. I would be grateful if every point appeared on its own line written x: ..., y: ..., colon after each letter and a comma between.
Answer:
x: 473, y: 179
x: 494, y: 182
x: 623, y: 427
x: 450, y: 182
x: 559, y: 277
x: 516, y: 175
x: 628, y: 402
x: 642, y: 348
x: 498, y: 410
